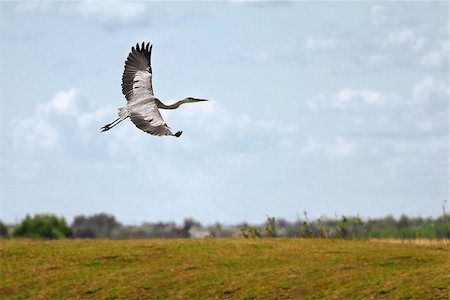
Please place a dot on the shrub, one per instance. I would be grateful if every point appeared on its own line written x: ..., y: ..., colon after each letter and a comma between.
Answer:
x: 306, y: 231
x: 42, y: 226
x: 248, y: 231
x: 270, y: 227
x: 342, y: 228
x: 96, y: 226
x: 3, y: 230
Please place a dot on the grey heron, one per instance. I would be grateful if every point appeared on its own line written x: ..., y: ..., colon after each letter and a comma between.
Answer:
x: 142, y: 106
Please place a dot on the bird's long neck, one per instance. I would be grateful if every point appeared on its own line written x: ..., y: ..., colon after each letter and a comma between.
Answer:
x: 171, y: 106
x: 178, y: 103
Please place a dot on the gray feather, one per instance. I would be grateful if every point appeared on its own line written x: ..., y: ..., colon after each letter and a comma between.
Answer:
x: 137, y: 75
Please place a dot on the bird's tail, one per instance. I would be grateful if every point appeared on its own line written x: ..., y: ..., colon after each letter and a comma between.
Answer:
x: 123, y: 113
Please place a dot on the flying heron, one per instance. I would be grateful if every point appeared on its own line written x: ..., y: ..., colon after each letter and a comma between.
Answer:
x: 142, y: 106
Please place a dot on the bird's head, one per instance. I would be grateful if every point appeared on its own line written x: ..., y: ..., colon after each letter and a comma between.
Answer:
x: 192, y: 99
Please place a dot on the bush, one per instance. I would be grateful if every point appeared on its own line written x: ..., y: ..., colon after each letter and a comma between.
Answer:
x: 306, y: 231
x: 42, y: 226
x: 96, y: 226
x: 3, y: 230
x: 248, y: 231
x: 270, y: 227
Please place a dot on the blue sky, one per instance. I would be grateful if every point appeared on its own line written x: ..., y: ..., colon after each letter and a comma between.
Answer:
x: 326, y: 107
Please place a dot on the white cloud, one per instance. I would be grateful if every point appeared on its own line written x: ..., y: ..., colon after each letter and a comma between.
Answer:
x: 430, y: 100
x: 346, y: 96
x: 378, y: 14
x: 67, y: 121
x: 405, y: 38
x: 421, y: 113
x: 260, y: 3
x: 317, y: 102
x: 63, y: 103
x: 109, y: 14
x: 429, y: 88
x: 438, y: 56
x: 312, y: 146
x: 265, y: 56
x: 39, y: 6
x: 222, y: 125
x: 47, y: 128
x: 409, y: 46
x: 35, y: 133
x: 86, y: 119
x: 40, y: 130
x: 321, y: 43
x: 340, y: 148
x: 112, y: 11
x: 349, y: 98
x: 394, y: 42
x: 337, y: 149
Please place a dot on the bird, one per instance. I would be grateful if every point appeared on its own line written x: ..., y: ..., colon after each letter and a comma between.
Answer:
x: 142, y: 106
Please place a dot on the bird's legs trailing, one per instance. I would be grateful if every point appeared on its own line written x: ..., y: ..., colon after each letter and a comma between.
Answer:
x: 123, y: 114
x: 112, y: 124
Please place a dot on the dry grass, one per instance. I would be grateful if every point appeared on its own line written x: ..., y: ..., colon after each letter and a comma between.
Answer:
x: 416, y: 242
x: 222, y: 269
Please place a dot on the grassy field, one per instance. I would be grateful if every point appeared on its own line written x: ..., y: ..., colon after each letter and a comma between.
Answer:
x: 222, y: 269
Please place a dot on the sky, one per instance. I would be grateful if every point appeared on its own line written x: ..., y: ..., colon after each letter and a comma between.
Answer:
x: 333, y: 108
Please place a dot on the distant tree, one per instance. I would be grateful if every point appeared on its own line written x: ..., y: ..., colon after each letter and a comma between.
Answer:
x: 42, y: 226
x: 3, y: 230
x: 356, y: 227
x: 388, y: 221
x: 342, y: 228
x: 216, y: 230
x: 270, y: 227
x: 445, y: 221
x: 403, y: 222
x: 248, y: 231
x: 306, y: 231
x: 188, y: 223
x: 96, y: 226
x: 324, y: 231
x: 219, y: 230
x: 131, y: 232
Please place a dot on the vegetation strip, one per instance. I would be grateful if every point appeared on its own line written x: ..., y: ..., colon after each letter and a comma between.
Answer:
x: 222, y: 269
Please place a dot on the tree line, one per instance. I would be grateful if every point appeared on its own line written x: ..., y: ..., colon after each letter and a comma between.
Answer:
x: 105, y: 226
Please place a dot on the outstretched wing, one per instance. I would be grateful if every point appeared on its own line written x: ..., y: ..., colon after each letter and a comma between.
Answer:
x: 146, y: 116
x: 137, y: 76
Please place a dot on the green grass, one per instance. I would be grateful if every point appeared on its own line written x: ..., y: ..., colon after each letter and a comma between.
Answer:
x: 222, y: 269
